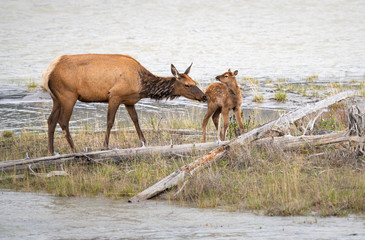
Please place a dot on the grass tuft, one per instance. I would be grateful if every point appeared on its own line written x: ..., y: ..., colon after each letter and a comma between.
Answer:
x: 280, y: 96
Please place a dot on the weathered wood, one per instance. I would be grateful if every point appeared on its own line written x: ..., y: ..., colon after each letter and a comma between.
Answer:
x: 356, y: 122
x: 168, y: 130
x: 115, y: 155
x: 279, y: 125
x: 289, y: 142
x: 174, y: 178
x: 282, y: 124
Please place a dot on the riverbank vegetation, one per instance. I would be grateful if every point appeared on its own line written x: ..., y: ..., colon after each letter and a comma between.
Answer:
x: 326, y: 181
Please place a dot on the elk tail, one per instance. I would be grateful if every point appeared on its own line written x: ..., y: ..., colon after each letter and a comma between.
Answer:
x: 46, y: 74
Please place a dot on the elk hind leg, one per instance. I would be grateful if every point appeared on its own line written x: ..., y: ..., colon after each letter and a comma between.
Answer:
x: 237, y: 113
x: 64, y: 119
x: 225, y: 113
x: 52, y: 123
x: 216, y: 120
x: 112, y: 110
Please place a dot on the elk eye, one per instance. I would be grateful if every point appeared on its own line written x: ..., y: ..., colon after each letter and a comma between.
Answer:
x: 226, y: 76
x: 186, y: 85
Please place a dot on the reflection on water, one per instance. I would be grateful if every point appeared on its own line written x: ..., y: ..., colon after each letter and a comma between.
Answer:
x: 40, y: 216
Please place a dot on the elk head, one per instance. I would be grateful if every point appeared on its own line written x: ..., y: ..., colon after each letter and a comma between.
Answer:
x: 227, y: 76
x: 185, y: 86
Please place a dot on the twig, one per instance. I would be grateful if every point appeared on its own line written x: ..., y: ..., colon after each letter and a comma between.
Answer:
x: 182, y: 187
x: 311, y: 122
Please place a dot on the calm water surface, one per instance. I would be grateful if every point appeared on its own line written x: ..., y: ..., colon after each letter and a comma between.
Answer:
x: 40, y: 216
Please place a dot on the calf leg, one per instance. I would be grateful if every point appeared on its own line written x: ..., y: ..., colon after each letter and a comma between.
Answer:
x: 133, y: 114
x: 225, y: 113
x: 237, y: 113
x: 209, y: 113
x: 216, y: 121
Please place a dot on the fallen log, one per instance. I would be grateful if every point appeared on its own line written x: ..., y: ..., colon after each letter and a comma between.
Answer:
x: 116, y: 155
x: 289, y: 142
x: 282, y: 124
x: 175, y: 177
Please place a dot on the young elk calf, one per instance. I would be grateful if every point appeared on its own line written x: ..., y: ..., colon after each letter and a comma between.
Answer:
x: 223, y: 96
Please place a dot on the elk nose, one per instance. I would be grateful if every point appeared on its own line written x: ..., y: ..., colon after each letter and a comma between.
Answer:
x: 217, y: 78
x: 205, y: 98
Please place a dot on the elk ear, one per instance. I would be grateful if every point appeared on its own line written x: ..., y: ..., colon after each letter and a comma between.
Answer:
x: 235, y: 72
x: 174, y: 71
x: 229, y: 70
x: 188, y: 69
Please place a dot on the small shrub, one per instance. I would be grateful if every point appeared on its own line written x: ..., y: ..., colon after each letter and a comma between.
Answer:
x: 31, y: 85
x: 258, y: 98
x: 311, y: 78
x: 269, y: 81
x: 282, y: 80
x: 8, y: 134
x: 280, y: 96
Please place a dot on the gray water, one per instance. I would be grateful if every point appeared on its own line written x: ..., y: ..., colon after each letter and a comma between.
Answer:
x: 41, y: 216
x: 263, y: 39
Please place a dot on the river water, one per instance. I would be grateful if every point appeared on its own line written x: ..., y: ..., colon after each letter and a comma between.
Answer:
x: 40, y: 216
x: 263, y: 39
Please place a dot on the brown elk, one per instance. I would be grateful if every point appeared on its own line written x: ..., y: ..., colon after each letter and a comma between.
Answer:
x: 223, y: 96
x: 112, y: 78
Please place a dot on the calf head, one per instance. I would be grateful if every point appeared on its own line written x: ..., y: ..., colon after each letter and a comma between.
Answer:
x: 227, y: 76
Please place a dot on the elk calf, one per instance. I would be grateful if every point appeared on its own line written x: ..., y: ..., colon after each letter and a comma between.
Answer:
x: 222, y: 97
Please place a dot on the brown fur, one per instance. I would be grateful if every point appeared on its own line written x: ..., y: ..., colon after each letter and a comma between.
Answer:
x: 223, y: 97
x: 116, y: 79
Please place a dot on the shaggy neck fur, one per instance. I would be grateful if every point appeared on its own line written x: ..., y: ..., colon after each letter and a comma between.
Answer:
x: 157, y: 87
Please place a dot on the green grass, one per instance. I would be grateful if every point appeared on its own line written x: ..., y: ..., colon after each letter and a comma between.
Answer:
x: 7, y: 134
x: 312, y: 78
x: 31, y: 85
x: 280, y: 96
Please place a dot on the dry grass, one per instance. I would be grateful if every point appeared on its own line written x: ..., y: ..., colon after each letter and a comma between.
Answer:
x: 280, y: 183
x: 90, y: 180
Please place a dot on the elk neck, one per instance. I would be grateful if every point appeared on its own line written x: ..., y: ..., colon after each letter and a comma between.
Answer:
x: 156, y: 87
x: 233, y: 87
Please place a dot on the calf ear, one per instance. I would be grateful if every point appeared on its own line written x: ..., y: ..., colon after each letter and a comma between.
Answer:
x: 235, y: 72
x: 174, y: 71
x: 188, y: 69
x: 229, y: 70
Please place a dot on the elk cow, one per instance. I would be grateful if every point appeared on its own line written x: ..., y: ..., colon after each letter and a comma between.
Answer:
x: 112, y: 78
x: 222, y: 97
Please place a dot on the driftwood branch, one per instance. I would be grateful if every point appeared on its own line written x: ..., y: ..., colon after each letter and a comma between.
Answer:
x: 116, y: 155
x: 174, y: 178
x: 291, y: 118
x: 290, y: 142
x: 246, y: 138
